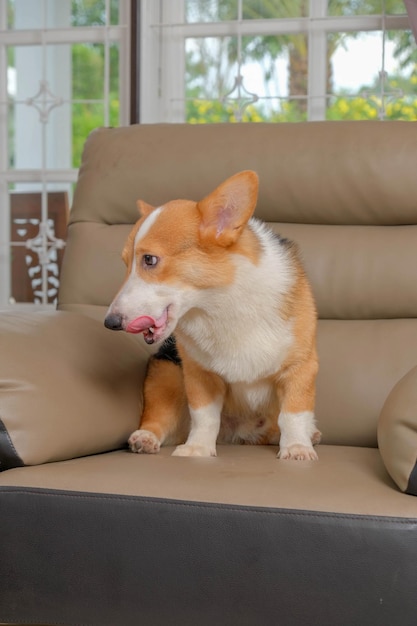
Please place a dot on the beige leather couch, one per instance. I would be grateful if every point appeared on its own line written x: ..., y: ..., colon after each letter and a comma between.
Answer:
x: 93, y: 534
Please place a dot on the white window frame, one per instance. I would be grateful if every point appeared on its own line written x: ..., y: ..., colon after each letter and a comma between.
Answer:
x: 43, y: 178
x: 163, y: 34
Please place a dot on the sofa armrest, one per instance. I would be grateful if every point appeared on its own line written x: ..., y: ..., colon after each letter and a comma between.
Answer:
x: 68, y: 387
x: 397, y: 433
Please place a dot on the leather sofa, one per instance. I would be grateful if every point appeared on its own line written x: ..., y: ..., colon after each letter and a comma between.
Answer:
x: 93, y: 534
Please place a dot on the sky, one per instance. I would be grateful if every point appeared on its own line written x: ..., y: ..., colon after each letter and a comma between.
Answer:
x: 353, y: 66
x: 358, y: 65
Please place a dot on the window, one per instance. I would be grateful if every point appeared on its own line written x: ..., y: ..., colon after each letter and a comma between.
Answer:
x: 268, y: 60
x: 64, y: 70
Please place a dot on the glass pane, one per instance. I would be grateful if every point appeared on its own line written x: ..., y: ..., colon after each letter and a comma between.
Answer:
x: 211, y: 10
x: 36, y: 14
x: 211, y: 66
x: 41, y: 74
x: 44, y: 100
x: 85, y: 117
x: 33, y: 14
x: 11, y: 146
x: 37, y: 144
x: 290, y: 110
x: 40, y: 118
x: 273, y: 9
x: 89, y: 107
x: 275, y: 70
x: 355, y: 61
x: 220, y: 10
x: 395, y: 7
x: 114, y: 12
x: 356, y: 7
x: 364, y: 89
x: 268, y: 84
x: 402, y: 49
x: 87, y: 71
x: 10, y: 14
x: 366, y: 7
x: 390, y: 105
x: 38, y: 222
x: 401, y: 79
x: 25, y: 133
x: 93, y: 13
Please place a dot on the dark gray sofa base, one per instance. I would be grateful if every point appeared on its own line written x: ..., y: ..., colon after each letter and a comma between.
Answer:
x: 86, y: 558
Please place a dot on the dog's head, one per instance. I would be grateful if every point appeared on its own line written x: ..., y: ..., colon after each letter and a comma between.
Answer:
x: 178, y: 249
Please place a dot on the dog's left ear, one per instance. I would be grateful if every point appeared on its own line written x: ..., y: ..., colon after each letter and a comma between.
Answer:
x: 144, y: 208
x: 228, y: 208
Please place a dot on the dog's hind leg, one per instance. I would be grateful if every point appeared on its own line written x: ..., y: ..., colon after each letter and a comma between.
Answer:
x: 164, y: 419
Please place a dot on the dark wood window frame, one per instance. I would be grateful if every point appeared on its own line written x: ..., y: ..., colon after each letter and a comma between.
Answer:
x: 135, y: 61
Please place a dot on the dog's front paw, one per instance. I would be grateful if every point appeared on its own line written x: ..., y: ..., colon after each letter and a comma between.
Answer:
x: 298, y: 452
x: 188, y: 449
x: 144, y: 441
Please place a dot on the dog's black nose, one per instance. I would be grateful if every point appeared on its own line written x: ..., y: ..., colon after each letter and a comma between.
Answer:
x: 113, y: 321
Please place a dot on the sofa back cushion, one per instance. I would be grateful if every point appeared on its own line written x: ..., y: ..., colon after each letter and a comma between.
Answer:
x: 345, y: 191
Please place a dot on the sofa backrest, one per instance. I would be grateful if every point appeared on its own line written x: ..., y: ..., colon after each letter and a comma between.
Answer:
x: 345, y: 191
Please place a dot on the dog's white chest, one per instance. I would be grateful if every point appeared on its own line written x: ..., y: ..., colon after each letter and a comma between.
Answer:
x: 239, y: 331
x: 239, y: 353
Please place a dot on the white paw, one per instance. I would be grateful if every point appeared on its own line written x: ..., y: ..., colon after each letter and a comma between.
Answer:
x: 298, y: 452
x: 188, y: 449
x: 144, y: 441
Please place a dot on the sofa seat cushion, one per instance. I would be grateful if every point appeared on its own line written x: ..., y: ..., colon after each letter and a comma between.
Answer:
x: 346, y: 480
x: 239, y: 539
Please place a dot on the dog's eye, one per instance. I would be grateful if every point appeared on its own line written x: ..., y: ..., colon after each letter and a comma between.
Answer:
x: 149, y: 260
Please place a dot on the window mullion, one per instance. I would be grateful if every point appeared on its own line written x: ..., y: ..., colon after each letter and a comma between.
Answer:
x: 81, y: 34
x: 284, y: 26
x: 150, y: 61
x: 317, y: 63
x: 162, y: 62
x: 173, y: 64
x: 124, y: 65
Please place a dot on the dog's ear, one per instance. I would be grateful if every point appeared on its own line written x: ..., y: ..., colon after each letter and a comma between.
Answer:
x: 144, y: 208
x: 228, y: 208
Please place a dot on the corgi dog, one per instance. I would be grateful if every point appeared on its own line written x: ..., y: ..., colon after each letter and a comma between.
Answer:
x: 229, y: 304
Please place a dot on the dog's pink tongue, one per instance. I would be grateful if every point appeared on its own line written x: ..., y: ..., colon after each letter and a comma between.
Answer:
x: 144, y: 322
x: 140, y: 324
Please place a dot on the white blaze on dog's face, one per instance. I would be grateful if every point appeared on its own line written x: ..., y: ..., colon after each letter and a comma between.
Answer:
x: 144, y: 304
x: 177, y: 250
